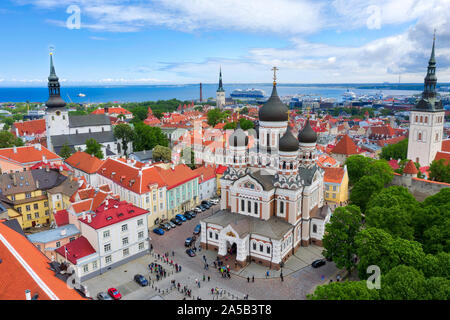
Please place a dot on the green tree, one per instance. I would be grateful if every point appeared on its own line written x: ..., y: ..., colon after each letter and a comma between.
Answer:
x: 340, y: 233
x: 364, y: 189
x: 215, y: 116
x: 94, y: 148
x: 126, y: 134
x: 356, y: 167
x: 244, y: 110
x: 161, y: 152
x: 395, y: 151
x: 346, y: 290
x: 8, y: 140
x: 246, y: 124
x: 440, y: 171
x: 437, y: 288
x: 436, y: 265
x: 65, y: 151
x: 230, y: 125
x: 377, y: 247
x: 146, y: 137
x: 403, y: 283
x: 381, y: 170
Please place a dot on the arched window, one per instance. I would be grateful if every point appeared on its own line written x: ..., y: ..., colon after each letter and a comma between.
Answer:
x: 421, y: 119
x: 314, y: 228
x: 284, y: 165
x: 417, y: 118
x: 426, y: 119
x: 419, y: 136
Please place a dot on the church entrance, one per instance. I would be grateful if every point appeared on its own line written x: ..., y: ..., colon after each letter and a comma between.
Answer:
x: 231, y: 249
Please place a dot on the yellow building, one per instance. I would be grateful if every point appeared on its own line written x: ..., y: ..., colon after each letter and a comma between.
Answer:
x: 219, y: 173
x: 336, y: 185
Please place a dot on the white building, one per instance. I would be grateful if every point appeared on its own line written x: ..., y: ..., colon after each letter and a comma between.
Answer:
x: 426, y: 120
x: 220, y: 94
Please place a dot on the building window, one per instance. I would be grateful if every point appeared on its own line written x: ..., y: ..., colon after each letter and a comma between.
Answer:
x: 29, y: 216
x: 314, y: 228
x: 261, y: 247
x: 242, y: 205
x: 140, y: 222
x: 71, y: 239
x: 140, y: 234
x: 58, y: 244
x: 19, y: 209
x: 107, y: 247
x: 125, y: 241
x: 106, y: 234
x: 94, y: 265
x: 124, y: 227
x: 334, y: 188
x: 268, y: 250
x: 210, y: 234
x: 254, y: 246
x: 327, y: 195
x: 249, y: 208
x: 86, y: 268
x: 36, y: 206
x: 256, y: 207
x: 281, y: 207
x: 28, y: 207
x: 126, y: 252
x: 28, y: 195
x: 419, y: 136
x: 108, y: 259
x: 36, y: 215
x: 47, y: 212
x: 45, y: 203
x: 217, y: 236
x: 141, y: 246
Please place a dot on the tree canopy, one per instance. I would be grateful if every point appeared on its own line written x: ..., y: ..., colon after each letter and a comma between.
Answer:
x: 146, y: 137
x: 395, y: 151
x: 8, y: 140
x: 126, y: 134
x: 440, y: 170
x: 161, y: 153
x: 94, y: 148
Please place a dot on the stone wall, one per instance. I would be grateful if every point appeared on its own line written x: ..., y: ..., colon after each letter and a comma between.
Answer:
x: 419, y: 188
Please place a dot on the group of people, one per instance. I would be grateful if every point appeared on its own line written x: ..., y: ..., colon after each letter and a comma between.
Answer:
x: 159, y: 270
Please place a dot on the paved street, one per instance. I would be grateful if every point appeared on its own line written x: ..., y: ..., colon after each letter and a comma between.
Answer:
x: 299, y: 277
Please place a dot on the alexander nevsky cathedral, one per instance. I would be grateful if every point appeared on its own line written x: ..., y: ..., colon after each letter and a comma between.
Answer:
x: 271, y: 194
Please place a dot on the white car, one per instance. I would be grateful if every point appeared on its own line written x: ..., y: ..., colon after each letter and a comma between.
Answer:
x: 214, y: 201
x: 198, y: 210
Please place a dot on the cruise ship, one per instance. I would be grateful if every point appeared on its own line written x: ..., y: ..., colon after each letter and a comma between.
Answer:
x: 348, y: 96
x: 248, y: 94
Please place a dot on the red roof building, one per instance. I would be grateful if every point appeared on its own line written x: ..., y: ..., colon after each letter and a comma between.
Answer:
x: 345, y: 146
x: 85, y: 162
x: 76, y: 249
x: 410, y: 168
x: 19, y: 158
x: 29, y: 128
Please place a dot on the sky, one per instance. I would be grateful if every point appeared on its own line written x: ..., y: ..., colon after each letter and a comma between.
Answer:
x: 118, y: 42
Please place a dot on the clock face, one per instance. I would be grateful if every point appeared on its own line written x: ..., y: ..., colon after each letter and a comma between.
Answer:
x: 58, y: 113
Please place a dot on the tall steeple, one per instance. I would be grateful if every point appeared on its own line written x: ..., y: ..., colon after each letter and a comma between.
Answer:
x: 54, y: 102
x: 220, y: 89
x: 429, y: 99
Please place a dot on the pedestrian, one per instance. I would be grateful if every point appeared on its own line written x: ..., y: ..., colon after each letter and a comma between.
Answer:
x: 209, y: 278
x: 204, y: 258
x: 180, y: 268
x: 204, y: 277
x: 253, y: 278
x: 173, y: 253
x: 267, y: 274
x: 248, y: 279
x: 281, y: 276
x: 199, y: 284
x: 331, y: 280
x: 212, y: 290
x: 215, y: 265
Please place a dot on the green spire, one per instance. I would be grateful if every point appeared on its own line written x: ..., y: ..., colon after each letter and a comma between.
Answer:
x: 52, y: 75
x: 220, y: 89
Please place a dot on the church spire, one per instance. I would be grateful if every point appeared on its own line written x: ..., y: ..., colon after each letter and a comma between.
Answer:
x: 431, y: 79
x: 54, y: 101
x: 220, y: 89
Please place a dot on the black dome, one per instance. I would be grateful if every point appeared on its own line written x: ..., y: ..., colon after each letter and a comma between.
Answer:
x: 274, y: 109
x: 288, y: 143
x: 307, y: 134
x: 55, y: 102
x: 238, y: 138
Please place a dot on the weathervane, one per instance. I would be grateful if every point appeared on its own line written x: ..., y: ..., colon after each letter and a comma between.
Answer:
x: 308, y: 108
x: 274, y: 69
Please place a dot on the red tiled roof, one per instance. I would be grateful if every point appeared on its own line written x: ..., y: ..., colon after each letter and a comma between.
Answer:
x: 113, y: 212
x: 220, y: 169
x: 61, y: 217
x: 445, y: 145
x: 386, y: 131
x: 28, y: 128
x: 334, y: 175
x: 111, y: 110
x: 84, y: 161
x: 443, y: 155
x: 28, y: 154
x: 205, y: 173
x: 410, y: 168
x: 345, y: 146
x: 25, y: 267
x: 394, y: 164
x: 76, y: 249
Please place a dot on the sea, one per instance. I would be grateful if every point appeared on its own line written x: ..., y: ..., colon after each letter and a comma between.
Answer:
x: 190, y: 92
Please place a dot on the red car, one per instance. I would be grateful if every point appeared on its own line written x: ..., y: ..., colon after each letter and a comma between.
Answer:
x: 113, y: 292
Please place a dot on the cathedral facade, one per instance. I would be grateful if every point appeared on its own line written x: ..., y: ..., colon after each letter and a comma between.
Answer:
x: 272, y: 193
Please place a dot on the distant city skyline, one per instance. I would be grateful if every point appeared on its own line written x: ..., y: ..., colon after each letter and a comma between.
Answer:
x: 122, y: 42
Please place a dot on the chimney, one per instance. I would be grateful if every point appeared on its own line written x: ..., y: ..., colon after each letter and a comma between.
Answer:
x: 14, y: 149
x: 106, y: 110
x: 89, y: 218
x: 37, y: 184
x: 14, y: 180
x: 27, y: 294
x: 17, y: 132
x: 84, y: 216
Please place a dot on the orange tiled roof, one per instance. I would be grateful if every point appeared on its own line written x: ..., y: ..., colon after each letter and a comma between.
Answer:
x: 28, y: 154
x: 445, y: 145
x: 84, y: 162
x: 30, y: 127
x: 334, y: 175
x: 345, y: 146
x: 442, y: 155
x: 205, y: 173
x: 410, y: 168
x: 22, y: 265
x: 111, y: 110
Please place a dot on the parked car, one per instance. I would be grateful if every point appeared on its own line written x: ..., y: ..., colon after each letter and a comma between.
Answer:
x: 190, y: 252
x: 197, y: 209
x: 197, y: 229
x: 176, y: 221
x: 165, y: 226
x: 205, y: 202
x: 104, y: 296
x: 318, y: 263
x: 180, y: 217
x: 187, y: 216
x: 214, y: 201
x: 202, y: 207
x: 171, y: 224
x: 114, y: 293
x: 141, y: 280
x: 188, y: 242
x: 158, y: 231
x: 192, y: 214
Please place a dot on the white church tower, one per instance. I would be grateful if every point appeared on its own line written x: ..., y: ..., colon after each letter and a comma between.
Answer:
x: 56, y: 117
x: 426, y: 121
x: 220, y: 93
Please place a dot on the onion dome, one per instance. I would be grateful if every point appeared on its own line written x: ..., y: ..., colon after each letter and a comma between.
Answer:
x: 307, y: 134
x: 238, y: 138
x: 288, y: 143
x: 274, y: 109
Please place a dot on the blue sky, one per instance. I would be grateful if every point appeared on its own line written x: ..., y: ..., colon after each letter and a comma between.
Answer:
x: 186, y: 41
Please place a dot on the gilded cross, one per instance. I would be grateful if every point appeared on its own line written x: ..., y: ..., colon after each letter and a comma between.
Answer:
x: 308, y: 108
x: 274, y: 69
